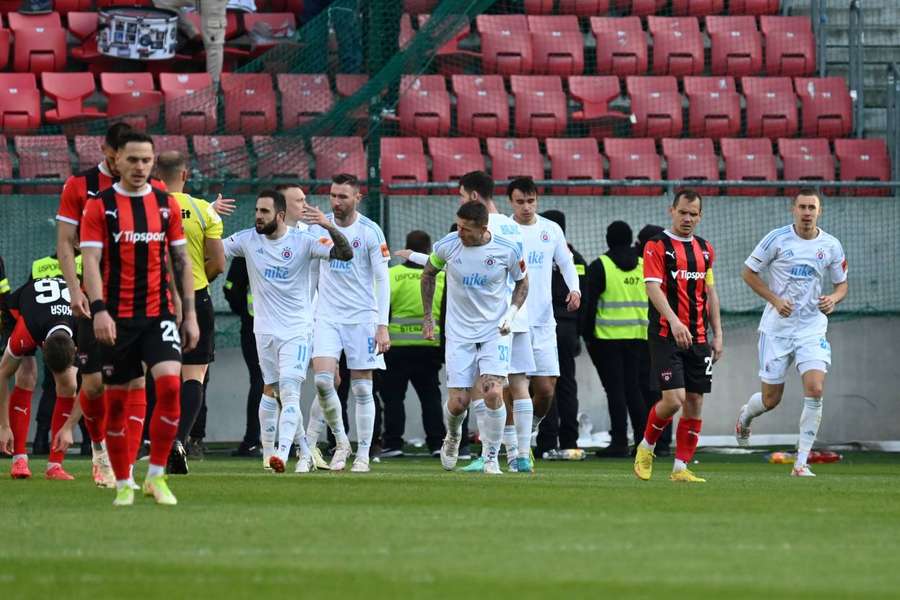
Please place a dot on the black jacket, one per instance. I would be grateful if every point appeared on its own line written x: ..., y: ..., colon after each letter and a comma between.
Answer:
x: 560, y: 290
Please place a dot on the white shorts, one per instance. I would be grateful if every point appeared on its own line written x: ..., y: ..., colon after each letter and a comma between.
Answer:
x: 282, y: 359
x: 777, y: 353
x: 521, y: 356
x: 466, y: 360
x: 546, y: 354
x: 356, y: 340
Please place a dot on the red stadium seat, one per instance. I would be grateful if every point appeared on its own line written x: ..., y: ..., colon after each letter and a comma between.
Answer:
x: 280, y: 157
x: 20, y: 102
x: 132, y: 94
x: 163, y: 143
x: 417, y: 7
x: 540, y: 105
x: 749, y: 160
x: 451, y: 158
x: 621, y: 45
x: 339, y: 155
x: 697, y: 8
x: 403, y: 161
x: 753, y: 7
x: 44, y: 156
x: 633, y: 159
x: 714, y: 107
x: 771, y: 107
x: 736, y: 46
x: 249, y: 103
x: 826, y: 106
x: 222, y: 156
x: 574, y: 159
x: 515, y: 157
x: 692, y: 159
x: 88, y: 149
x: 505, y: 44
x: 790, y: 46
x: 583, y: 8
x: 4, y: 50
x: 595, y: 93
x: 482, y: 105
x: 641, y: 8
x: 677, y: 46
x: 303, y: 98
x: 69, y: 91
x: 40, y: 42
x: 805, y: 159
x: 190, y: 102
x: 347, y: 84
x: 557, y: 45
x: 863, y: 160
x: 655, y: 106
x: 83, y: 25
x: 406, y: 30
x: 538, y: 7
x: 424, y: 106
x: 64, y: 7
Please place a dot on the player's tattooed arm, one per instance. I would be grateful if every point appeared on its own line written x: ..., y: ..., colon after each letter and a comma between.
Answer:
x: 428, y: 284
x: 520, y: 292
x: 342, y: 249
x: 184, y: 278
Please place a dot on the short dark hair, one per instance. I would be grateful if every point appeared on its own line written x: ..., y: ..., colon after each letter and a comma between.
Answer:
x: 59, y: 351
x: 345, y: 179
x: 524, y: 185
x: 473, y: 211
x: 418, y: 241
x: 808, y: 191
x: 277, y: 199
x: 480, y: 182
x: 286, y: 186
x: 689, y: 195
x: 132, y: 136
x: 114, y: 134
x: 170, y: 163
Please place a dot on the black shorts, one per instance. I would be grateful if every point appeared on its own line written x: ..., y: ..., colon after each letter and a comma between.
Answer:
x: 88, y: 358
x: 673, y: 368
x: 205, y: 352
x: 139, y: 342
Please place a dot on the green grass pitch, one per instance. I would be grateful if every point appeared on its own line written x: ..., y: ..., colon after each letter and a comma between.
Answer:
x: 410, y: 530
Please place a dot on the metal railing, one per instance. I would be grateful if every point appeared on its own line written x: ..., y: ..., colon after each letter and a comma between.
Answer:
x: 857, y: 69
x: 893, y: 118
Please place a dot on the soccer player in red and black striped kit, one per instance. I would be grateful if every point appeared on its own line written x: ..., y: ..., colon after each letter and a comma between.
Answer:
x: 682, y: 294
x: 128, y: 234
x: 76, y: 192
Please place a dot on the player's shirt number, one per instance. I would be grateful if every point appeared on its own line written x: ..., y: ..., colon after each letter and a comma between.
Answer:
x: 49, y: 291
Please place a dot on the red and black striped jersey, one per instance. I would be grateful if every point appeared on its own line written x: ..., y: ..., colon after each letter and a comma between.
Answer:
x: 681, y: 267
x: 87, y: 184
x: 134, y: 231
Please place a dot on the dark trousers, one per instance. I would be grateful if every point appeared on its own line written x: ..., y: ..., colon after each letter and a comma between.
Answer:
x: 420, y: 366
x: 618, y: 365
x: 559, y: 429
x: 254, y: 394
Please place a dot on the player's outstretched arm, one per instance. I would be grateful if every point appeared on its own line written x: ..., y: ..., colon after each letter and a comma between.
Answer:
x: 184, y: 280
x: 66, y: 236
x: 715, y: 319
x: 8, y: 366
x: 427, y: 285
x: 680, y: 331
x: 783, y: 306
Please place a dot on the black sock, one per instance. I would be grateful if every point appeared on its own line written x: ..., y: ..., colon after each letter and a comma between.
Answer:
x: 191, y: 400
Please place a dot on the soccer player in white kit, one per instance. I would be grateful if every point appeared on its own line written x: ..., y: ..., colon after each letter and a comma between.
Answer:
x: 545, y: 245
x: 352, y: 316
x: 479, y: 264
x: 796, y: 258
x: 278, y: 260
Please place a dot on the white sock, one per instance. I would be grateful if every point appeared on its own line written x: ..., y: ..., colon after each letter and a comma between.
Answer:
x: 316, y: 423
x: 50, y: 465
x: 752, y: 409
x: 268, y: 421
x: 288, y: 423
x: 454, y: 422
x: 644, y: 443
x: 680, y: 465
x: 478, y: 409
x: 331, y: 407
x: 18, y: 456
x: 156, y: 470
x: 510, y: 441
x: 121, y: 484
x: 810, y: 418
x: 494, y: 421
x: 523, y: 415
x: 131, y: 473
x: 361, y: 390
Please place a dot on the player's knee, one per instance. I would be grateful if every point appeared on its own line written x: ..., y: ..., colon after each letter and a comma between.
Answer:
x: 92, y: 385
x: 362, y: 390
x: 66, y: 388
x: 289, y: 389
x: 324, y: 383
x: 814, y: 389
x: 271, y: 390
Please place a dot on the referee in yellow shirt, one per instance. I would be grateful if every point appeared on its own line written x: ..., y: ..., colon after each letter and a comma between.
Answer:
x: 203, y: 230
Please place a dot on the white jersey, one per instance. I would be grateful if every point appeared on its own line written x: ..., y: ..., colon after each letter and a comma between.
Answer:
x: 279, y: 277
x: 545, y: 244
x: 796, y: 268
x: 314, y: 268
x: 499, y: 224
x: 477, y: 284
x: 347, y: 288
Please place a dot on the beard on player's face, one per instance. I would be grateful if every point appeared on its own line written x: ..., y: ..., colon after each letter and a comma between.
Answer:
x: 264, y: 227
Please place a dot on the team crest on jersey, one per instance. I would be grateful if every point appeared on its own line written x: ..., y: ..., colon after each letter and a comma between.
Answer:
x: 164, y: 212
x: 490, y: 261
x: 820, y: 254
x: 287, y: 253
x: 356, y: 243
x: 706, y: 256
x: 545, y: 236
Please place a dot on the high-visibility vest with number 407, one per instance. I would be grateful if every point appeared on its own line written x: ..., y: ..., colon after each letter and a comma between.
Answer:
x: 622, y: 308
x: 406, y: 307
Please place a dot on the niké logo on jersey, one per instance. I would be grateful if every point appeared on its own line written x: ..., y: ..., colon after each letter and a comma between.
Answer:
x: 277, y: 273
x: 535, y: 259
x: 340, y: 265
x: 804, y: 271
x: 475, y: 280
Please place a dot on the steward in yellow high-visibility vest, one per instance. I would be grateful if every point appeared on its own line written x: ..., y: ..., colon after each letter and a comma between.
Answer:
x: 615, y: 329
x: 411, y: 358
x: 48, y: 266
